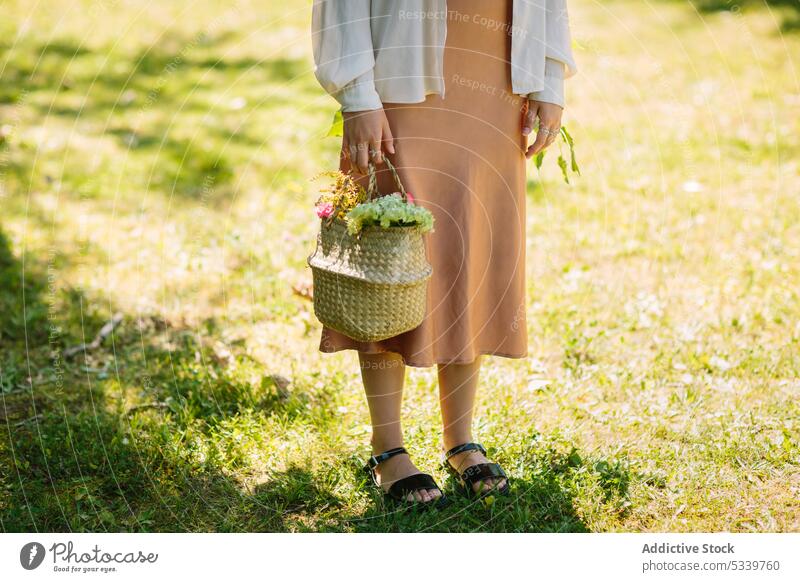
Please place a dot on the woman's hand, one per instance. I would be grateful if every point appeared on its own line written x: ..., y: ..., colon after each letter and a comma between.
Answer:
x: 549, y: 116
x: 366, y: 135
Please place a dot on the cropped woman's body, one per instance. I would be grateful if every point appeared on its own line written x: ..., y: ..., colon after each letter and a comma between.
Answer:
x: 462, y: 154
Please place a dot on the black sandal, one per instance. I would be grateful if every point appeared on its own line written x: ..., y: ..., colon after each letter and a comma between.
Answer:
x: 476, y: 473
x: 400, y: 489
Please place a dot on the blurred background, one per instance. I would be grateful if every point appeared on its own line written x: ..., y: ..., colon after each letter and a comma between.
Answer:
x: 158, y: 350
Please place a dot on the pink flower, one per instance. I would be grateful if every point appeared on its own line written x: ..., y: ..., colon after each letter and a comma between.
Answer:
x: 324, y: 209
x: 410, y: 198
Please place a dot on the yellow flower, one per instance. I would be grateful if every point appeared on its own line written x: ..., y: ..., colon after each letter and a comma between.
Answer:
x: 343, y: 194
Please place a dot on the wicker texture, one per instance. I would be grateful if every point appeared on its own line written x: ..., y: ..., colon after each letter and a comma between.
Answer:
x: 372, y: 287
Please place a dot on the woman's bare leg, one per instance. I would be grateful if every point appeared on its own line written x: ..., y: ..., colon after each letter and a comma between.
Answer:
x: 458, y: 384
x: 383, y: 376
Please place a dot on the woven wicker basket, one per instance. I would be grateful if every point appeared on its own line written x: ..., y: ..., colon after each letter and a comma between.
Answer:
x: 372, y: 287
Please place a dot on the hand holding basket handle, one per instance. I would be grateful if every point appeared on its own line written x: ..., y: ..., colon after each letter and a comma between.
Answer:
x: 366, y: 135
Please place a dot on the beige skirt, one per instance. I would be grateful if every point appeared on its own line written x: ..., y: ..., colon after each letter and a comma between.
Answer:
x: 462, y: 157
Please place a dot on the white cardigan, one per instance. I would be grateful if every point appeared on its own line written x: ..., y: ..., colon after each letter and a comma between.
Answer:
x: 372, y: 51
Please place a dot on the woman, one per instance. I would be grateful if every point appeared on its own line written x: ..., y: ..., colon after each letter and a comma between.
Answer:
x: 452, y: 91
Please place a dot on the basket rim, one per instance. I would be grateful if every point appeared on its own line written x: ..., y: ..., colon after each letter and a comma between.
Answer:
x: 339, y: 223
x: 333, y: 264
x: 321, y: 266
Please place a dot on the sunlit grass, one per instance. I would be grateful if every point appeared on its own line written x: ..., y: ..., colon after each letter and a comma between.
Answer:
x: 156, y: 164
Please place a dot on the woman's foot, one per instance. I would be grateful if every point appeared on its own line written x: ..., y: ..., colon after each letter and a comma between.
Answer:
x: 463, y: 461
x: 400, y: 467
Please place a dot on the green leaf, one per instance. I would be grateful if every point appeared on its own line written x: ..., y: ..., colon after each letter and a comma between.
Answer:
x: 337, y: 127
x: 567, y: 136
x: 571, y: 143
x: 574, y: 162
x: 562, y: 163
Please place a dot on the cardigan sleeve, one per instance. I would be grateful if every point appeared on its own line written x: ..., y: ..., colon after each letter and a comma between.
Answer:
x: 559, y: 61
x: 553, y: 91
x: 343, y: 53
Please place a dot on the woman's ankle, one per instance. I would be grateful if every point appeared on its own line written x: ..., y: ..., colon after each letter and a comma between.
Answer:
x: 453, y: 440
x: 383, y: 444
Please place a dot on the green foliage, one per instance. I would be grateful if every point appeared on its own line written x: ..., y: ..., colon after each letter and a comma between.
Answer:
x: 337, y: 126
x: 565, y: 167
x: 387, y: 211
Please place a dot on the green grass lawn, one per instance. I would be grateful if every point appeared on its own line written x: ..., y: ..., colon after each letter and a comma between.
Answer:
x: 154, y: 165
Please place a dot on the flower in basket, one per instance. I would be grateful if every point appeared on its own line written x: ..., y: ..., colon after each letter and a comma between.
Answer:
x: 324, y: 209
x: 340, y: 197
x: 387, y: 211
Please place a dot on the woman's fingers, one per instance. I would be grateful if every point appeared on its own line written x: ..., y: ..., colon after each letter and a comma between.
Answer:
x: 367, y: 134
x: 384, y: 144
x: 388, y: 138
x: 352, y: 155
x: 529, y: 118
x: 539, y: 144
x: 549, y: 126
x: 375, y: 152
x: 544, y: 138
x: 362, y: 157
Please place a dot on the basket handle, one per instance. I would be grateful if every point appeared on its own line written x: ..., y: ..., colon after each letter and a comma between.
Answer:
x: 372, y: 188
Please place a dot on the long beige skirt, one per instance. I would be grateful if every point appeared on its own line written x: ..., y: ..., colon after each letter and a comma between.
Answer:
x: 462, y: 157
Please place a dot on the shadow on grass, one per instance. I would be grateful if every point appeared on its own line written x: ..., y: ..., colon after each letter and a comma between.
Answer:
x: 155, y: 429
x: 159, y: 71
x: 164, y: 105
x: 137, y: 433
x: 545, y: 486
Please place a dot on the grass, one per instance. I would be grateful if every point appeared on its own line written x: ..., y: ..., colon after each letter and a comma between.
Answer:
x: 158, y: 169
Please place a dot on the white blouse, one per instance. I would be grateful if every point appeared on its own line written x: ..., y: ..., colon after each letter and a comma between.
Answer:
x: 368, y: 52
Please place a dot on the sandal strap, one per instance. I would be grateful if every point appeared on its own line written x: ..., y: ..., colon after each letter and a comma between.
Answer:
x: 463, y: 448
x: 403, y: 487
x: 376, y: 460
x: 481, y: 472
